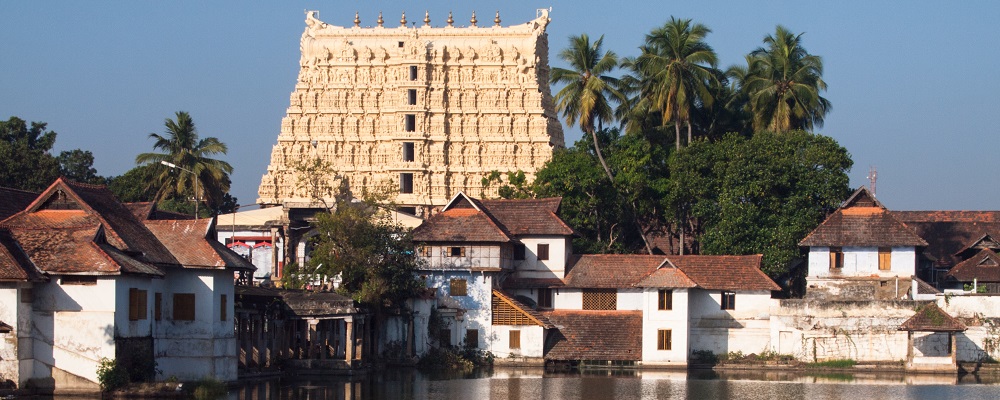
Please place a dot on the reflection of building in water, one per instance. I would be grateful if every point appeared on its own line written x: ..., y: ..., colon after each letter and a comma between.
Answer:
x: 427, y: 111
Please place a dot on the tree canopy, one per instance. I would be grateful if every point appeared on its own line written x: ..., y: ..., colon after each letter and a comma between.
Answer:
x: 25, y: 161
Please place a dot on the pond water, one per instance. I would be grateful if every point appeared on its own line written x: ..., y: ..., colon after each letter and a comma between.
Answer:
x: 502, y: 383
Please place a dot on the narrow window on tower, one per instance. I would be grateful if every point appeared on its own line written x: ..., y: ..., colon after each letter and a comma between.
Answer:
x: 412, y: 96
x: 411, y: 123
x: 408, y: 151
x: 406, y: 182
x: 413, y: 72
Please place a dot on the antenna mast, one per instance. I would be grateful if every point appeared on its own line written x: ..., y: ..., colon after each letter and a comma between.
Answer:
x: 872, y: 178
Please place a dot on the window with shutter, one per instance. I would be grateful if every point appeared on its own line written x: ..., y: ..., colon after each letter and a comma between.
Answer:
x: 457, y: 287
x: 184, y: 307
x: 137, y: 304
x: 728, y: 300
x: 543, y: 251
x: 666, y: 300
x: 884, y: 258
x: 515, y: 340
x: 663, y: 339
x: 836, y: 258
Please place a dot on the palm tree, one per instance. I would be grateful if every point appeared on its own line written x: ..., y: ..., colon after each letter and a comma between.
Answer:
x: 180, y: 146
x: 588, y: 92
x: 678, y: 70
x: 782, y: 82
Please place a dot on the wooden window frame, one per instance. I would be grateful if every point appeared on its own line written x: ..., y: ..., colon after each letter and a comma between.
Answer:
x: 543, y: 251
x: 514, y: 339
x: 185, y: 307
x: 458, y: 287
x: 885, y: 258
x: 472, y: 338
x: 453, y: 253
x: 665, y: 300
x: 137, y: 304
x: 836, y: 258
x: 728, y: 300
x: 545, y: 298
x: 664, y: 339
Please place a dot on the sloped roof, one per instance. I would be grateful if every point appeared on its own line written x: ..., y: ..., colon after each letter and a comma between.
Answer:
x: 595, y: 335
x: 189, y: 242
x: 931, y: 318
x: 862, y: 221
x: 460, y: 225
x: 609, y: 270
x: 948, y: 232
x: 147, y: 210
x: 667, y: 277
x: 528, y: 216
x: 306, y: 304
x: 984, y: 267
x: 14, y: 264
x: 925, y: 288
x: 532, y: 314
x: 725, y: 272
x: 532, y: 283
x: 13, y: 201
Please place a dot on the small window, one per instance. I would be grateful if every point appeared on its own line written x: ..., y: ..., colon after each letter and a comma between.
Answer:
x: 472, y: 338
x: 411, y: 123
x: 413, y: 72
x: 663, y: 339
x: 184, y: 306
x: 600, y: 299
x: 666, y: 300
x: 519, y: 251
x: 411, y: 97
x: 158, y: 306
x: 515, y: 340
x: 27, y: 295
x: 425, y: 251
x: 136, y: 304
x: 543, y: 251
x: 222, y: 309
x: 456, y: 251
x: 408, y: 153
x: 406, y: 182
x: 884, y: 258
x: 457, y: 287
x: 836, y: 258
x: 400, y: 44
x: 728, y: 300
x: 544, y: 298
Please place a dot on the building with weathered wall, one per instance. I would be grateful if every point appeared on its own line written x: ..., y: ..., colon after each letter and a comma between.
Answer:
x: 428, y: 111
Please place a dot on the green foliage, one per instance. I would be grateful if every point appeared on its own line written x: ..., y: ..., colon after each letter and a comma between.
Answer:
x: 209, y: 389
x: 110, y: 375
x: 293, y: 278
x: 374, y: 256
x: 845, y: 363
x: 704, y: 357
x: 444, y: 358
x: 516, y: 186
x: 979, y: 288
x: 133, y: 186
x: 78, y: 165
x: 25, y: 161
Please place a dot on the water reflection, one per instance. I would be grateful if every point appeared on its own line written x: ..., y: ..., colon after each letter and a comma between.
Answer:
x: 629, y: 384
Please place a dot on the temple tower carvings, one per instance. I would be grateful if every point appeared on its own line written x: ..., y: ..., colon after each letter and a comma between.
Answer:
x: 428, y: 111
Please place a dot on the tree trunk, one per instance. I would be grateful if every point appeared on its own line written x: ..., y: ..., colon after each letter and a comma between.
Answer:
x: 611, y: 178
x: 689, y: 132
x: 597, y: 149
x: 677, y: 130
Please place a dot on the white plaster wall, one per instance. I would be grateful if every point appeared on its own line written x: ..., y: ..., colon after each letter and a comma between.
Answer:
x: 532, y: 341
x: 819, y: 261
x: 654, y: 319
x: 862, y: 261
x: 630, y: 299
x: 9, y: 300
x: 206, y: 346
x: 567, y: 299
x: 746, y: 329
x: 858, y: 330
x: 476, y: 256
x: 555, y: 267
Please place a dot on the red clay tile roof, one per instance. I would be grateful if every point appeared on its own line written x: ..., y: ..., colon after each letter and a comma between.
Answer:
x: 14, y: 264
x: 74, y: 250
x: 13, y: 201
x: 984, y: 267
x: 595, y: 335
x: 931, y: 318
x: 532, y: 314
x: 532, y: 283
x: 948, y: 232
x: 862, y: 221
x: 188, y: 241
x: 528, y: 216
x: 460, y: 225
x: 667, y: 277
x: 925, y: 288
x: 725, y: 272
x: 609, y: 270
x: 147, y: 210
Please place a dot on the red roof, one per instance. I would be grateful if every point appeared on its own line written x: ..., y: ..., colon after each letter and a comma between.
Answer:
x: 725, y: 272
x: 949, y: 232
x: 667, y: 277
x: 862, y: 221
x: 982, y: 267
x: 528, y: 216
x: 189, y: 242
x: 532, y: 283
x: 14, y: 264
x: 610, y: 270
x: 931, y: 318
x: 533, y: 315
x: 595, y: 335
x: 465, y: 219
x: 460, y: 225
x: 13, y: 201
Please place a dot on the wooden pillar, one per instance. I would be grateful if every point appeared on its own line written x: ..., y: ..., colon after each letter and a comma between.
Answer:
x: 275, y: 269
x: 953, y: 342
x: 349, y: 341
x: 260, y: 342
x: 409, y: 337
x: 313, y: 338
x: 909, y: 349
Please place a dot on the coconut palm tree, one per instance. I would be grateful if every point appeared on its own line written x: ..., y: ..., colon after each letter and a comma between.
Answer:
x: 782, y: 82
x: 586, y: 98
x: 678, y: 70
x: 181, y: 146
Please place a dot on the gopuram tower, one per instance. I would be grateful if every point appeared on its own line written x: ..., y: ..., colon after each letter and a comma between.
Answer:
x: 428, y: 111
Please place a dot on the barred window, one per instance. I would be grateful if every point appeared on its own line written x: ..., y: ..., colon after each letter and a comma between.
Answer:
x: 544, y: 298
x: 458, y: 287
x: 600, y: 299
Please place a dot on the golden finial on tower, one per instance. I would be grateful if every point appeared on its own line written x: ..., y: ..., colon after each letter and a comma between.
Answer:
x: 380, y: 20
x: 427, y: 18
x: 473, y: 20
x: 497, y: 19
x: 357, y: 20
x: 450, y: 19
x: 402, y: 21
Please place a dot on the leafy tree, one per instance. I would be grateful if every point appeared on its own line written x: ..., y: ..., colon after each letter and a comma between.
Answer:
x: 516, y: 187
x: 678, y: 70
x: 133, y: 186
x: 181, y: 146
x: 782, y: 84
x: 373, y: 255
x: 589, y: 90
x: 25, y: 161
x: 78, y: 165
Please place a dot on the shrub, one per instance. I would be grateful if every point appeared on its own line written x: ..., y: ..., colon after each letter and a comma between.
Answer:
x: 209, y: 389
x: 704, y: 357
x: 845, y: 363
x: 444, y: 358
x: 110, y: 375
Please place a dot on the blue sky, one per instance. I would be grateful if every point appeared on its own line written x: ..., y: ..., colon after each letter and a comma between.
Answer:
x: 913, y: 84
